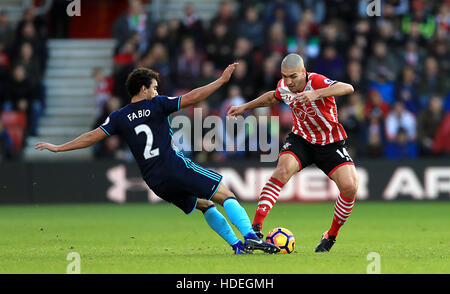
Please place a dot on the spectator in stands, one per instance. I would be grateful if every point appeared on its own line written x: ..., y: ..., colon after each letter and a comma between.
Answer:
x: 252, y: 28
x: 6, y: 144
x: 243, y: 51
x: 355, y: 76
x: 330, y: 64
x: 6, y: 30
x: 285, y: 13
x: 398, y: 118
x: 353, y: 128
x: 187, y: 65
x: 175, y: 37
x: 38, y: 21
x: 220, y: 44
x: 443, y: 17
x: 19, y: 96
x: 111, y: 147
x: 268, y: 78
x: 356, y: 53
x: 18, y: 91
x: 332, y: 34
x: 4, y: 66
x: 432, y: 81
x: 382, y: 61
x: 241, y: 78
x: 355, y: 106
x: 420, y: 23
x: 440, y: 51
x: 386, y: 32
x: 28, y: 34
x: 209, y: 75
x: 384, y: 85
x: 103, y: 90
x: 406, y: 90
x: 401, y: 147
x: 160, y: 59
x: 136, y: 20
x: 192, y: 25
x: 161, y: 34
x: 413, y: 56
x: 225, y: 16
x: 126, y: 55
x: 375, y: 104
x: 229, y: 134
x: 31, y: 64
x: 315, y: 8
x: 442, y: 137
x: 428, y: 123
x: 276, y: 42
x: 375, y: 137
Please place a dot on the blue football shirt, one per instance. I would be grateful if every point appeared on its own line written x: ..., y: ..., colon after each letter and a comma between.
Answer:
x: 144, y: 126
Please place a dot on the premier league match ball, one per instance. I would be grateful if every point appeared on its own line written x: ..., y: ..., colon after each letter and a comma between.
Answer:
x: 283, y: 238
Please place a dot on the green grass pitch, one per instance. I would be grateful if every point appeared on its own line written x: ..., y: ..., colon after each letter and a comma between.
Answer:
x: 145, y: 238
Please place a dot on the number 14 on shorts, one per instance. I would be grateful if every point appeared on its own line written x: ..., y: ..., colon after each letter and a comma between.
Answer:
x: 344, y: 154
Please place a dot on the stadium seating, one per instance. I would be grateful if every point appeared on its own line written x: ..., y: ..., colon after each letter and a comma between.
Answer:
x: 15, y: 123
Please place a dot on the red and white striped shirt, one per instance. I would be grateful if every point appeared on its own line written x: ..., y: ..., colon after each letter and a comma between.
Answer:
x: 317, y: 122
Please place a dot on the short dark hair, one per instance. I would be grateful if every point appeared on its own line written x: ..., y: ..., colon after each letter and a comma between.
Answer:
x: 138, y: 78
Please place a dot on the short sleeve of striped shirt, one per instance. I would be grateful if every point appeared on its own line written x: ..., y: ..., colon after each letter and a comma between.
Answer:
x: 320, y: 82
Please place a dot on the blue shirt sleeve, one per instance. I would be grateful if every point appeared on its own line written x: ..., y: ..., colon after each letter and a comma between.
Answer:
x: 169, y: 104
x: 110, y: 124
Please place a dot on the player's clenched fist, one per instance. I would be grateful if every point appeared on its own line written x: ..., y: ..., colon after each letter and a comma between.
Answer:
x: 236, y: 110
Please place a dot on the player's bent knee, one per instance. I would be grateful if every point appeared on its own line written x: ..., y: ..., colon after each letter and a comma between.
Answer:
x: 282, y: 173
x: 222, y: 194
x: 203, y: 205
x: 349, y: 188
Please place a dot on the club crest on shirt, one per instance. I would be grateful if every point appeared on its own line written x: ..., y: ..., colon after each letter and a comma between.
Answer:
x: 106, y: 121
x: 286, y: 146
x: 301, y: 112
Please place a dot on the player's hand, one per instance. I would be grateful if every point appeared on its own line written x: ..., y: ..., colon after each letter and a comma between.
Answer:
x: 235, y: 110
x: 42, y: 146
x: 307, y: 97
x: 226, y: 75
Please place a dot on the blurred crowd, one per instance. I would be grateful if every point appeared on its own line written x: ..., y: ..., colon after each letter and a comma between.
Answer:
x: 23, y: 59
x: 397, y: 62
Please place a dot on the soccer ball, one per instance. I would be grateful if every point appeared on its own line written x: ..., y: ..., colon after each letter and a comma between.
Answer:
x: 283, y: 238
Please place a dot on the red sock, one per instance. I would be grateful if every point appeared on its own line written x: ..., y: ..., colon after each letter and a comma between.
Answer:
x: 342, y: 209
x: 267, y: 199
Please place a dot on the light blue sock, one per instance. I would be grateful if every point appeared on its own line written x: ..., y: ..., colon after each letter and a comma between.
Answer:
x: 220, y: 225
x: 238, y: 216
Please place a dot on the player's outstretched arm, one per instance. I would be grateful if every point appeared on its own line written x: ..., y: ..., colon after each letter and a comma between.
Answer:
x: 83, y: 141
x: 337, y: 89
x: 266, y: 99
x: 202, y: 93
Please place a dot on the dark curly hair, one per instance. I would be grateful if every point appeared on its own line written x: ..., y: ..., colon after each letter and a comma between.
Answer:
x: 138, y: 78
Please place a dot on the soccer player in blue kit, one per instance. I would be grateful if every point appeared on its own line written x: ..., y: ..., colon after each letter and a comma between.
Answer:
x: 143, y: 124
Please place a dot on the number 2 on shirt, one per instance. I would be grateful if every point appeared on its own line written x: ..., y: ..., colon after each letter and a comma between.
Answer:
x: 148, y: 152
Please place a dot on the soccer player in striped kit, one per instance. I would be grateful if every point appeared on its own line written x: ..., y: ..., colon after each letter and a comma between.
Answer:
x: 316, y: 138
